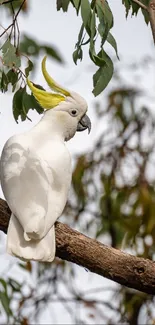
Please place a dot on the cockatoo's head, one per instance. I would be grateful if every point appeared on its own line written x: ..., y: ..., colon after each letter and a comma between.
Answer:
x: 69, y: 107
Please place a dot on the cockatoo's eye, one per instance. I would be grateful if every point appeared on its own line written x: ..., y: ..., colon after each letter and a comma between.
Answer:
x: 74, y: 112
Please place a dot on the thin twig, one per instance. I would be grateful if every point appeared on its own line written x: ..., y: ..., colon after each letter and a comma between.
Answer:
x: 140, y: 4
x: 6, y: 2
x: 6, y: 29
x: 15, y: 17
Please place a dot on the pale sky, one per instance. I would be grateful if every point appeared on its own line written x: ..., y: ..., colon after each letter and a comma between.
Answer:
x: 134, y: 41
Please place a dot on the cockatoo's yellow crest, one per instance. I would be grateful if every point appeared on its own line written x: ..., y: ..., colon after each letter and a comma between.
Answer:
x: 46, y: 99
x: 52, y: 84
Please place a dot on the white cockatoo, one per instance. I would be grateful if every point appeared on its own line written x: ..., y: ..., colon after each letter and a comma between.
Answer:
x: 35, y: 171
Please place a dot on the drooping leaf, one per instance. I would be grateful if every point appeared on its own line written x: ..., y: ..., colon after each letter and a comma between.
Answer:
x: 12, y: 77
x: 102, y: 77
x: 29, y: 68
x: 3, y: 82
x: 16, y: 286
x: 77, y: 55
x: 104, y: 11
x: 146, y: 16
x: 3, y: 283
x: 127, y: 5
x: 51, y: 51
x: 5, y: 301
x: 135, y: 7
x: 22, y: 103
x: 17, y: 104
x: 63, y: 4
x: 86, y: 14
x: 29, y: 46
x: 76, y: 4
x: 10, y: 58
x: 29, y: 102
x: 112, y: 42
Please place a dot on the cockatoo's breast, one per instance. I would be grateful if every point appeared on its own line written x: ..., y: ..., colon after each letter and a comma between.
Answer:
x: 36, y: 172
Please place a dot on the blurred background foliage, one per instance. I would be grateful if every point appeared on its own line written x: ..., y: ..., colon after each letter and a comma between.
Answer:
x: 112, y: 197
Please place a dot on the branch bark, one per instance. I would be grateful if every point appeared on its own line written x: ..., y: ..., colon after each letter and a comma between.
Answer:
x: 151, y: 11
x: 113, y: 264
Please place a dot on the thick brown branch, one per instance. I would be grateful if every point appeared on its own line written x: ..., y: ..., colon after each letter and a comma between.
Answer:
x: 151, y: 10
x: 134, y: 272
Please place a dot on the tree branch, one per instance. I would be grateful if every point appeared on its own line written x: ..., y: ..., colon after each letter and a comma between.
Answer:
x: 151, y: 10
x: 140, y: 4
x: 113, y: 264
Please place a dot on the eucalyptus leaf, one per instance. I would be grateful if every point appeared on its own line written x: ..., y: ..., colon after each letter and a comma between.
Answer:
x: 112, y: 42
x: 5, y: 301
x: 76, y: 4
x: 9, y: 56
x: 4, y: 83
x: 17, y: 104
x: 102, y: 77
x: 63, y: 4
x: 29, y: 68
x: 86, y: 14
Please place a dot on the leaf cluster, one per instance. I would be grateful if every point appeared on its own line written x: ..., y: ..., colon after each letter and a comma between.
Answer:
x: 97, y: 22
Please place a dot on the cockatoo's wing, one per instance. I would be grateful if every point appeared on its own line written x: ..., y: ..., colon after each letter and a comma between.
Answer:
x: 35, y: 197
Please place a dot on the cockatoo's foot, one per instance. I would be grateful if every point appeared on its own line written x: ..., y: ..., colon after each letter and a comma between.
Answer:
x: 35, y: 228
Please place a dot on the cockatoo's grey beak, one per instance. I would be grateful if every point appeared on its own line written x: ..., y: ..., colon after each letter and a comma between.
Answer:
x: 84, y: 124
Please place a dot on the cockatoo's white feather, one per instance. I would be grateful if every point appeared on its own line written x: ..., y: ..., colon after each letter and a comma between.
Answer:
x: 35, y: 173
x: 35, y: 179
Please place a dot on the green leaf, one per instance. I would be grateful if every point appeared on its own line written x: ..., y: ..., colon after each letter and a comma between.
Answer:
x: 86, y: 14
x: 112, y: 42
x: 146, y: 16
x: 76, y: 4
x: 103, y: 10
x: 3, y: 282
x: 106, y: 20
x: 9, y: 57
x: 93, y: 25
x: 51, y: 51
x: 12, y: 77
x: 29, y: 102
x: 17, y: 104
x: 102, y: 77
x: 99, y: 59
x: 63, y: 4
x: 3, y: 82
x: 23, y: 102
x: 29, y: 46
x: 127, y: 5
x: 77, y: 55
x: 29, y: 68
x: 81, y: 33
x: 16, y: 286
x: 5, y: 301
